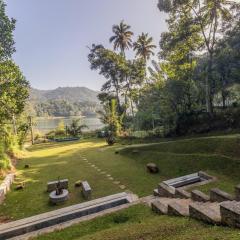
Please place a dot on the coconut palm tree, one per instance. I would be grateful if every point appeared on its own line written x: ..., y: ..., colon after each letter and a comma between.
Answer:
x: 144, y: 47
x: 122, y: 38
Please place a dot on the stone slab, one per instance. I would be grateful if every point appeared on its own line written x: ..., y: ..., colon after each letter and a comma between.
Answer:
x: 44, y: 220
x: 181, y: 193
x: 159, y: 207
x: 178, y: 209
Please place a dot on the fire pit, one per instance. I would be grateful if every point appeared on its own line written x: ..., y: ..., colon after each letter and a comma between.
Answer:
x: 59, y: 195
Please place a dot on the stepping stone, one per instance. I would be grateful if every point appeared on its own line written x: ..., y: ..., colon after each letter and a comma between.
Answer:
x: 99, y: 170
x: 117, y: 182
x: 108, y: 175
x: 103, y: 172
x: 122, y: 187
x: 111, y: 178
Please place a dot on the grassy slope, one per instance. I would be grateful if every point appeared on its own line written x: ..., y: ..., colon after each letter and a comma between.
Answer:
x: 217, y: 155
x: 139, y: 223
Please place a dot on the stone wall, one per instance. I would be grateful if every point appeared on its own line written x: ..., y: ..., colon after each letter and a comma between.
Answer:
x: 5, y: 186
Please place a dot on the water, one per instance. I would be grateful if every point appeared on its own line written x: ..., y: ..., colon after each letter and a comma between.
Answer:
x: 45, y: 125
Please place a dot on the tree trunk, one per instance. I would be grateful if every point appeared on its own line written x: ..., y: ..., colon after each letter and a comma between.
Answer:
x: 209, y: 105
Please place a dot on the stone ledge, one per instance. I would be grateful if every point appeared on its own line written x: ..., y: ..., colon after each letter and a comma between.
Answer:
x: 217, y: 195
x: 199, y: 196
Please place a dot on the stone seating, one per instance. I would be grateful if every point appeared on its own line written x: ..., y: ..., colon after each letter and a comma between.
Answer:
x: 199, y: 196
x: 217, y: 195
x: 86, y: 190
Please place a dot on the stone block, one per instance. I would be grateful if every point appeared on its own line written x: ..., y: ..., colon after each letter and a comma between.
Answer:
x: 217, y: 195
x: 230, y: 213
x: 199, y: 196
x: 204, y: 175
x: 86, y: 190
x: 51, y: 186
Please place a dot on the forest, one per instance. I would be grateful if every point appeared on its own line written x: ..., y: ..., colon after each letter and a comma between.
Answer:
x: 192, y: 87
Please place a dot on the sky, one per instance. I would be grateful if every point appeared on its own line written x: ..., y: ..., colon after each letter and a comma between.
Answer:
x: 52, y: 36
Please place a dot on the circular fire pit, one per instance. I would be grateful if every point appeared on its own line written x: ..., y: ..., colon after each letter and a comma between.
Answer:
x: 63, y: 197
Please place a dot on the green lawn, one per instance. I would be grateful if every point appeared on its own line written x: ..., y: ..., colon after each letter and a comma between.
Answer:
x: 219, y: 156
x: 140, y: 223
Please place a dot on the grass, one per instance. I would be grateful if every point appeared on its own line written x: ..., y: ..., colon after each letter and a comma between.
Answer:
x: 219, y: 156
x: 139, y: 223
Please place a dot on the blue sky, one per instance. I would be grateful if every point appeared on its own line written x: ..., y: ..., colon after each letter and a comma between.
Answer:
x: 52, y: 36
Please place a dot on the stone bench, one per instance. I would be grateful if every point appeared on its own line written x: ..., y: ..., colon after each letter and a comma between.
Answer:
x: 51, y: 186
x: 183, y: 181
x: 230, y: 213
x: 86, y: 190
x: 27, y: 225
x: 217, y: 195
x: 199, y: 196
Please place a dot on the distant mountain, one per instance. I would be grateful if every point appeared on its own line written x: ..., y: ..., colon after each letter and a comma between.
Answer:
x: 64, y: 102
x: 70, y: 94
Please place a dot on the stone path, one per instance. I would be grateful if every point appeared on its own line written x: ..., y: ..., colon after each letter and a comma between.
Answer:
x: 100, y: 171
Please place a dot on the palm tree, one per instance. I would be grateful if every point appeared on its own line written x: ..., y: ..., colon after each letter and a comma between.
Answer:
x: 122, y: 38
x: 144, y: 47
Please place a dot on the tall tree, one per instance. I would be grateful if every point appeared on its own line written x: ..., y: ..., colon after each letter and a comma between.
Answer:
x: 209, y: 15
x: 144, y: 47
x: 7, y: 27
x: 122, y: 38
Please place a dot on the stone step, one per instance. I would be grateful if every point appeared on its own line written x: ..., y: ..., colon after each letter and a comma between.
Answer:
x: 159, y: 207
x: 52, y: 218
x: 217, y: 195
x: 166, y: 191
x: 179, y: 208
x: 199, y: 196
x: 230, y: 213
x: 206, y: 212
x: 181, y: 193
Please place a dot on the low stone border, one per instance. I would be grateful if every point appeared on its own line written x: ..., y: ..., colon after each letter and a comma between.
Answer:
x: 5, y: 186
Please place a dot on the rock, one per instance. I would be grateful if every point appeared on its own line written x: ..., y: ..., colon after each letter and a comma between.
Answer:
x: 117, y: 152
x: 152, y: 168
x: 26, y: 166
x: 78, y: 184
x: 20, y: 186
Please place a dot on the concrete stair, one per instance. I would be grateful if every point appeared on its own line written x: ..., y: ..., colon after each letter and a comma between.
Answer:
x: 179, y: 208
x: 206, y: 212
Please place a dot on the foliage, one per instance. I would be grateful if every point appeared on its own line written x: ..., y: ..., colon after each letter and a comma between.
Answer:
x: 75, y: 129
